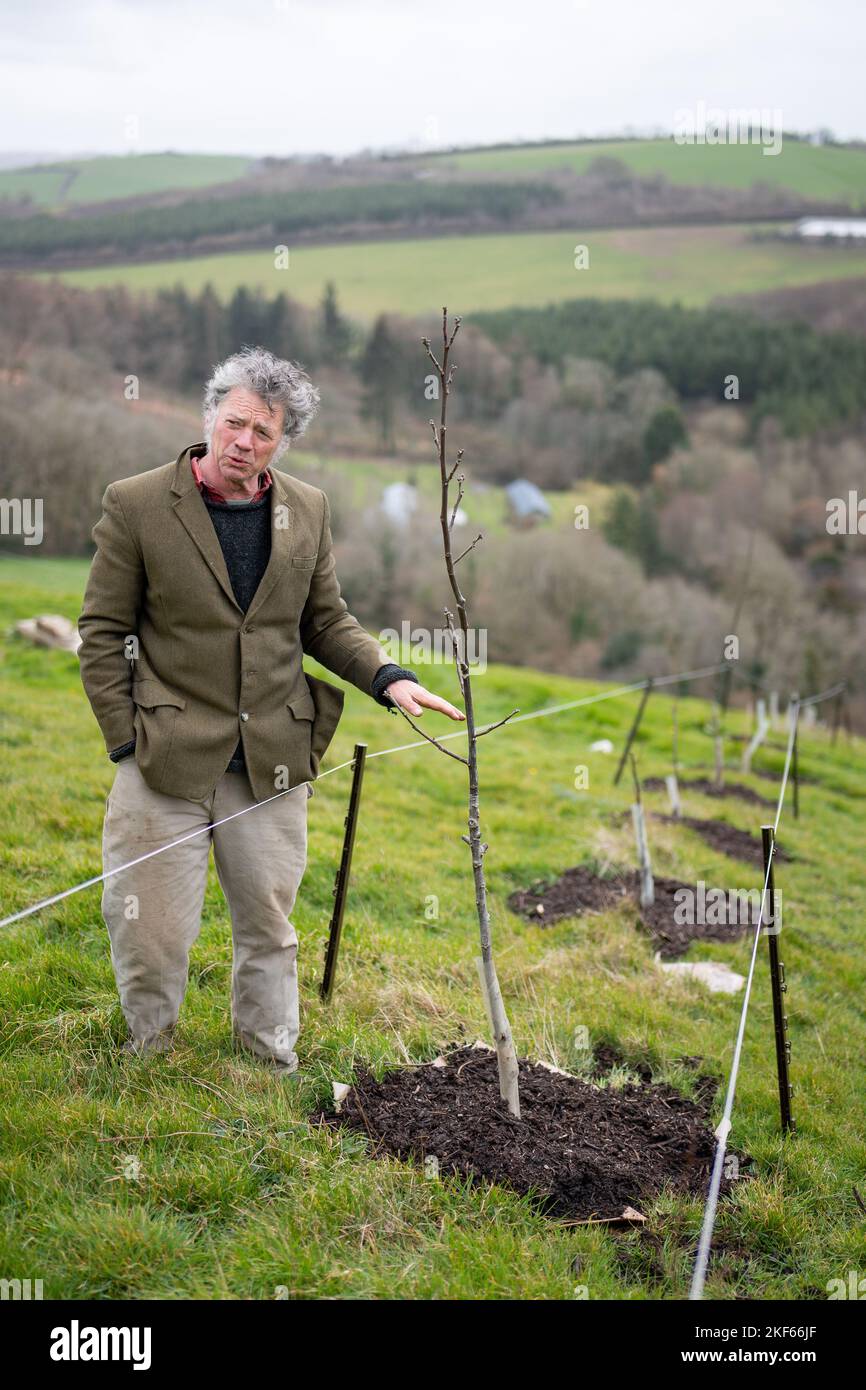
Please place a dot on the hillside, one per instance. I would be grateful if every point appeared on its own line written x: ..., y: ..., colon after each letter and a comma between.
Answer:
x: 816, y: 171
x: 81, y: 181
x: 689, y: 265
x: 238, y: 1194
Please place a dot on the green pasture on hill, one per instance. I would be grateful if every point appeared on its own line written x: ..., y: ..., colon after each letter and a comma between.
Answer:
x: 830, y: 172
x: 235, y: 1192
x: 119, y: 176
x: 689, y: 265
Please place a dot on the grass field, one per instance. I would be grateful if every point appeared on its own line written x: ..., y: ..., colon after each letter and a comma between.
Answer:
x: 687, y: 264
x: 817, y: 171
x: 236, y: 1192
x: 119, y: 176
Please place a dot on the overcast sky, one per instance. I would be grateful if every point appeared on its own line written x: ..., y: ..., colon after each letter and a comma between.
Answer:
x: 297, y: 76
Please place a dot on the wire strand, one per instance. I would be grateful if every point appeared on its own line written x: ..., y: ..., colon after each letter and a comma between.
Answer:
x: 382, y: 752
x: 699, y: 1272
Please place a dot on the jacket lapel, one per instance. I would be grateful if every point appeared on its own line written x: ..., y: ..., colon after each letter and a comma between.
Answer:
x: 190, y: 508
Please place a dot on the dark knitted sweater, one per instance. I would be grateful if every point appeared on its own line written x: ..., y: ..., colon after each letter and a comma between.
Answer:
x: 244, y: 533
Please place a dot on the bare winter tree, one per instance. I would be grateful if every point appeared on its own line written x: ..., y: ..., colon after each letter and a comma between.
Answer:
x: 505, y: 1053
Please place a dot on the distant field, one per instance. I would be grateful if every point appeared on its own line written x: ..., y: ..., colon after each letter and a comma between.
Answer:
x: 818, y: 171
x: 121, y: 176
x: 691, y: 265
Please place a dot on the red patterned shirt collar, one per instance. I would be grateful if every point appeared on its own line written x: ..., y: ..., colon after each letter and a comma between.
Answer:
x: 210, y: 494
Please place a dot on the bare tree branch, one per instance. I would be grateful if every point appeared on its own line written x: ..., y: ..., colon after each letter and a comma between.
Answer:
x: 498, y: 724
x: 478, y: 538
x: 430, y: 739
x: 460, y: 480
x: 426, y: 342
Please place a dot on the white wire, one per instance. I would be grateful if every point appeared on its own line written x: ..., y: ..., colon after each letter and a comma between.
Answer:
x: 699, y: 1272
x: 383, y: 752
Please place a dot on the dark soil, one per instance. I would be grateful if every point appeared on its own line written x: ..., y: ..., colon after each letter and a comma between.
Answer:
x: 707, y: 788
x: 606, y: 1056
x: 576, y: 891
x: 727, y: 839
x: 581, y: 1151
x: 767, y: 743
x: 672, y: 938
x: 777, y: 777
x: 579, y: 890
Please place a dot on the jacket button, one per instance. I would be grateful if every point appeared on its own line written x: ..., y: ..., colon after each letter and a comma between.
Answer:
x: 251, y: 627
x: 244, y: 715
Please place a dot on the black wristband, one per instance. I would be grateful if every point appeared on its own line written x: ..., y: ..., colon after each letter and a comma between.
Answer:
x: 118, y: 754
x: 384, y: 676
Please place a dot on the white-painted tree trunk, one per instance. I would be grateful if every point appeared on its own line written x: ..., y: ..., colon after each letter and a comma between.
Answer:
x: 757, y: 737
x: 647, y: 887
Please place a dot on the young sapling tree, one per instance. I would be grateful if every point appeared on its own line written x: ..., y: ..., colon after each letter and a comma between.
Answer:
x: 505, y: 1051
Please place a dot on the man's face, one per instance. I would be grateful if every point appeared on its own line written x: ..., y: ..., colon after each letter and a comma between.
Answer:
x: 245, y: 437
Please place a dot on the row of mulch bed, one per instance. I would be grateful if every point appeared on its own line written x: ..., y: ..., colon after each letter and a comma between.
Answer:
x: 580, y: 890
x: 582, y: 1152
x: 718, y: 834
x: 727, y: 839
x: 705, y: 787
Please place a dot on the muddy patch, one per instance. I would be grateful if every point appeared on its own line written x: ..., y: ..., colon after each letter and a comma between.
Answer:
x: 707, y: 788
x: 579, y: 890
x: 580, y: 1151
x: 777, y: 777
x: 576, y: 891
x: 727, y: 839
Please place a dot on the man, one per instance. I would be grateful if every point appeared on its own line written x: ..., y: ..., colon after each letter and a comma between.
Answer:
x: 213, y: 575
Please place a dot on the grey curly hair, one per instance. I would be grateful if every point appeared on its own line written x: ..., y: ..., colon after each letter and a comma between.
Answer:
x: 276, y: 380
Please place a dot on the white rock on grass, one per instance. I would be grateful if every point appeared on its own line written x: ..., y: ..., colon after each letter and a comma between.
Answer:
x: 718, y: 978
x: 601, y: 745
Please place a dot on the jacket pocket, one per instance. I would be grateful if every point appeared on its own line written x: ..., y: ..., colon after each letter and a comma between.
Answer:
x: 302, y: 705
x: 304, y: 562
x: 157, y: 710
x: 149, y: 693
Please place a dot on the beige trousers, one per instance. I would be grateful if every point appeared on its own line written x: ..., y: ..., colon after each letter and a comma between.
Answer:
x: 153, y: 910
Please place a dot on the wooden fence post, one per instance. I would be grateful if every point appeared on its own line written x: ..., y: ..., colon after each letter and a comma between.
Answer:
x: 634, y: 728
x: 341, y: 886
x: 778, y: 985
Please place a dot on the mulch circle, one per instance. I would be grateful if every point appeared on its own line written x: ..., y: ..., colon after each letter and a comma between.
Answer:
x: 727, y: 839
x: 579, y: 890
x: 777, y: 777
x: 708, y: 788
x: 576, y: 891
x: 672, y: 938
x: 581, y: 1151
x: 765, y: 743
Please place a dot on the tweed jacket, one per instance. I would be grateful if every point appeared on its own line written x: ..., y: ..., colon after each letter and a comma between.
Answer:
x: 169, y: 658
